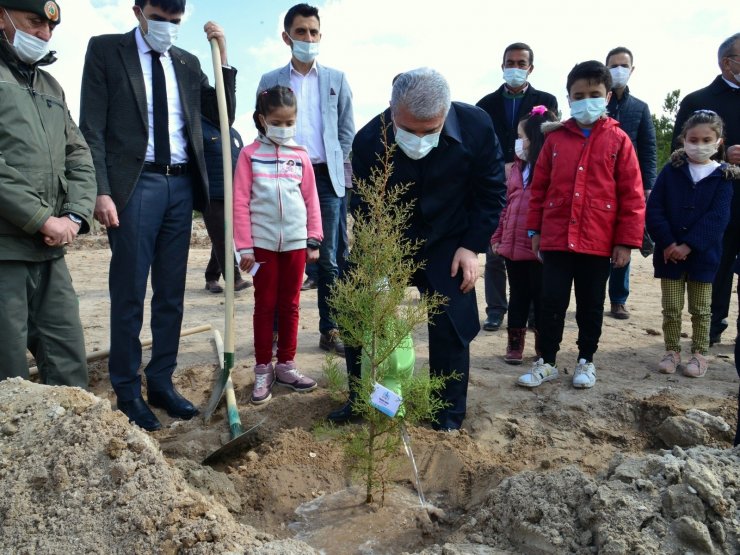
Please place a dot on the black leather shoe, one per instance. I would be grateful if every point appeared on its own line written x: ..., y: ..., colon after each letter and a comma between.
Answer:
x: 343, y: 415
x: 493, y: 323
x: 139, y: 413
x: 214, y: 287
x: 175, y: 404
x: 309, y: 284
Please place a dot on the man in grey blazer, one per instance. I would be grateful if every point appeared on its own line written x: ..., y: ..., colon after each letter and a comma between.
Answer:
x: 147, y: 147
x: 326, y: 127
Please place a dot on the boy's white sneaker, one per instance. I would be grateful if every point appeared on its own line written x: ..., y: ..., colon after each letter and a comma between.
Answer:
x: 585, y: 375
x: 541, y: 372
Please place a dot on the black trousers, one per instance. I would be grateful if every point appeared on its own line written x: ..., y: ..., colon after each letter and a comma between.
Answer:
x: 525, y: 291
x: 588, y: 274
x: 737, y: 367
x: 448, y: 354
x: 214, y: 220
x: 722, y: 286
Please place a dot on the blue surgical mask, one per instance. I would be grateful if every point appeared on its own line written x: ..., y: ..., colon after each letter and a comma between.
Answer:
x: 588, y: 110
x: 416, y: 147
x: 28, y: 48
x: 305, y: 52
x: 515, y: 77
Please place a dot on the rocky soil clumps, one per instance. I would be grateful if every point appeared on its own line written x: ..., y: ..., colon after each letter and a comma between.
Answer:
x: 76, y: 477
x: 683, y: 501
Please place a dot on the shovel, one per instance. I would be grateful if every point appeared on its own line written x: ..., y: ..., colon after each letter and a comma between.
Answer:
x: 239, y: 437
x: 227, y: 360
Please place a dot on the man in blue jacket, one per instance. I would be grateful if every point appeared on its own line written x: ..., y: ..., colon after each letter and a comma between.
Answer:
x: 633, y: 116
x: 449, y: 156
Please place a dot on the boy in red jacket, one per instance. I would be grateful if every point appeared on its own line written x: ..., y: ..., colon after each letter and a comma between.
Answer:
x: 586, y: 212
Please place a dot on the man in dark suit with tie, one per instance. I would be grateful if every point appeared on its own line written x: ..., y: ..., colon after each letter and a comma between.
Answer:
x: 141, y: 106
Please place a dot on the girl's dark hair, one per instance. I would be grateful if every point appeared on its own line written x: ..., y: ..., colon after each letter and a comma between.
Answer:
x: 713, y: 120
x: 533, y: 130
x: 268, y: 100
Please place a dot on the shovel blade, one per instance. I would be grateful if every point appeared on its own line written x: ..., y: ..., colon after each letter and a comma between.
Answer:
x: 247, y: 439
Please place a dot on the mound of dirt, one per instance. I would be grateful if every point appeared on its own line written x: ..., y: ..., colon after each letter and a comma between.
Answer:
x: 683, y: 501
x: 76, y: 477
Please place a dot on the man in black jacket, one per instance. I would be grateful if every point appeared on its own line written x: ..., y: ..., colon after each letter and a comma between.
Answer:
x: 634, y: 118
x: 449, y: 155
x: 723, y: 97
x: 507, y: 106
x: 213, y: 217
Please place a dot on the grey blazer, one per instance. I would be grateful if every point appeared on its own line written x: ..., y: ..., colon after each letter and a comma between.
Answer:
x: 336, y: 112
x: 113, y: 114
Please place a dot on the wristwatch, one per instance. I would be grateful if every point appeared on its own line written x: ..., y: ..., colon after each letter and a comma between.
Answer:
x: 75, y: 218
x: 531, y: 233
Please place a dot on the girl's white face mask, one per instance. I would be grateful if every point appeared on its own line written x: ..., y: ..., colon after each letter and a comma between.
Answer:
x: 700, y: 152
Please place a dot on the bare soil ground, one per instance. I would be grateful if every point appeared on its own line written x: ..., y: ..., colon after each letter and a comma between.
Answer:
x: 511, y: 436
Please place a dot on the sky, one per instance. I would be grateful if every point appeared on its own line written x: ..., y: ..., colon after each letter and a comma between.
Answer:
x: 674, y: 42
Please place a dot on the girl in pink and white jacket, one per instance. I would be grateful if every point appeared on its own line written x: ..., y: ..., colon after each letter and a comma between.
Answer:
x: 511, y: 240
x: 277, y: 224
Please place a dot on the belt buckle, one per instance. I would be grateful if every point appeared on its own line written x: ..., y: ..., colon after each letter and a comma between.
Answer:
x: 167, y: 169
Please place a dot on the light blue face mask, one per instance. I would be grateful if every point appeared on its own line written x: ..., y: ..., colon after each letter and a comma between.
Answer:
x: 305, y: 52
x: 588, y: 110
x: 515, y: 77
x: 416, y: 147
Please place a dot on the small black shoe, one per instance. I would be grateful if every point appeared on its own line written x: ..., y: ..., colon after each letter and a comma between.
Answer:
x: 715, y: 332
x: 331, y: 342
x: 493, y: 323
x: 214, y: 287
x: 309, y: 284
x: 175, y: 404
x: 343, y: 415
x: 139, y: 413
x: 240, y: 284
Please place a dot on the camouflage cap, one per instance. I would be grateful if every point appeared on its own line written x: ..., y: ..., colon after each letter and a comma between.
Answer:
x: 45, y: 8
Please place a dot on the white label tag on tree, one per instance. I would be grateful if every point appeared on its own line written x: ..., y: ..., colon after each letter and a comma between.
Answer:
x: 385, y: 400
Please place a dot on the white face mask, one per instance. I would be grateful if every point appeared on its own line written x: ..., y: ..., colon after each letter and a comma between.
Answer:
x: 160, y: 35
x: 280, y: 135
x: 28, y: 48
x: 305, y: 52
x: 515, y: 77
x: 620, y: 76
x: 416, y: 147
x: 519, y: 149
x: 700, y: 153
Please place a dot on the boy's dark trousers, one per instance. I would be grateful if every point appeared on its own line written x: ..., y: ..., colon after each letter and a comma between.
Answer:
x: 561, y: 271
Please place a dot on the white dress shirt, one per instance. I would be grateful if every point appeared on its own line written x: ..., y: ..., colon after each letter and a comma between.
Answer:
x: 309, y: 124
x: 178, y: 133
